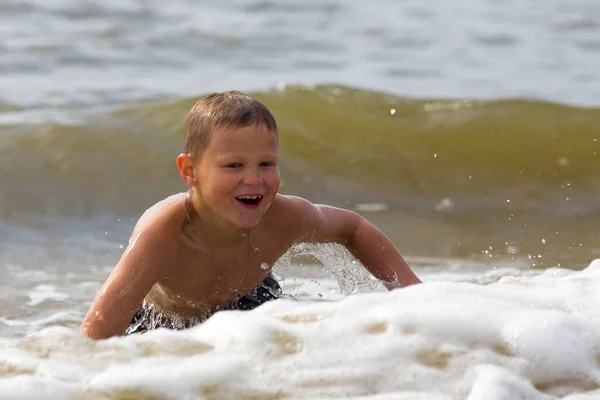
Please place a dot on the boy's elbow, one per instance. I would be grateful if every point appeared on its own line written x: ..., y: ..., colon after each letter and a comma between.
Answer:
x: 96, y: 330
x: 90, y: 330
x: 352, y: 228
x: 96, y: 334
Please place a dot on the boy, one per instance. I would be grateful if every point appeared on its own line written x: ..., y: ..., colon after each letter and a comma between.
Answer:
x: 213, y: 247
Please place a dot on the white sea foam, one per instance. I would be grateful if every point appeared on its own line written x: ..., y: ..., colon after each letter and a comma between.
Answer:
x: 526, y: 336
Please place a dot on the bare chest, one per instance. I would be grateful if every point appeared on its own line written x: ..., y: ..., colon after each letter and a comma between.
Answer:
x: 201, y: 280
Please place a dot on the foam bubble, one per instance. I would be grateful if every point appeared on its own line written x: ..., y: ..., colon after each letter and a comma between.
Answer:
x: 535, y: 335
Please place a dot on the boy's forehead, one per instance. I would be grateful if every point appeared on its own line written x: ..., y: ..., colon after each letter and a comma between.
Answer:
x: 251, y: 134
x: 243, y: 140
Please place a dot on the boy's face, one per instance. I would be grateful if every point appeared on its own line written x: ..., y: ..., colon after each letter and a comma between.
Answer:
x: 238, y: 173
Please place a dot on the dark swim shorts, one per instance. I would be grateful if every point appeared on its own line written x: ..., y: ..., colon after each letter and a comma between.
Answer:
x: 148, y: 318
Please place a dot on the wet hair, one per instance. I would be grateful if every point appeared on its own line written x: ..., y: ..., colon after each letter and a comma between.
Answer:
x: 231, y: 109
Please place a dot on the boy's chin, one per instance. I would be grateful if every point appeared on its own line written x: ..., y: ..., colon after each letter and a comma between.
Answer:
x: 248, y: 221
x: 246, y: 224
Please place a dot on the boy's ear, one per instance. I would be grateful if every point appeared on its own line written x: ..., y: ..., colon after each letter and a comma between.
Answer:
x: 186, y: 169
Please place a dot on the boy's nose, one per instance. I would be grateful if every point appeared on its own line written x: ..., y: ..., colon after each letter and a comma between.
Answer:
x: 253, y: 179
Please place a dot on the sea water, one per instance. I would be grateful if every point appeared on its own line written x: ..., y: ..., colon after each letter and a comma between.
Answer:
x: 467, y: 131
x: 501, y: 334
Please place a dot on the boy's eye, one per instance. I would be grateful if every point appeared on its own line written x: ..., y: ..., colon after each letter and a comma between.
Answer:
x: 234, y: 165
x: 266, y: 164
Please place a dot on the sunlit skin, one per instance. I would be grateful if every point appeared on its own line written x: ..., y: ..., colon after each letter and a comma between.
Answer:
x: 240, y: 162
x: 240, y: 222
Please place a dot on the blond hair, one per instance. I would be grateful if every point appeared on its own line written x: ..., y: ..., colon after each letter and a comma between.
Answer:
x: 231, y: 109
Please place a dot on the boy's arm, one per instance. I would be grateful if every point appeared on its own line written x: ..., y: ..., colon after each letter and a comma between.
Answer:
x: 140, y: 267
x: 320, y: 223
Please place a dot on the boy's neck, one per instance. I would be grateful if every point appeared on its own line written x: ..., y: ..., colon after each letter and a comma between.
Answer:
x: 213, y: 228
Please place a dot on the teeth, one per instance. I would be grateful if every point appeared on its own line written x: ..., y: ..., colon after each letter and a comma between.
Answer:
x: 249, y: 197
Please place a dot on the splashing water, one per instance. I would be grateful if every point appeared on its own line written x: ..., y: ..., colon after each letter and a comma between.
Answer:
x: 337, y: 262
x: 151, y: 319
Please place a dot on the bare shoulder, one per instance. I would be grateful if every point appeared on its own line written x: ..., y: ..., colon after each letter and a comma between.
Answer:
x: 307, y: 221
x: 289, y: 203
x: 289, y: 209
x: 164, y: 214
x: 156, y: 239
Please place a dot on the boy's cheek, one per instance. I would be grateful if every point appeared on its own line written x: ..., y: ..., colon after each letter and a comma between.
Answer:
x: 275, y: 180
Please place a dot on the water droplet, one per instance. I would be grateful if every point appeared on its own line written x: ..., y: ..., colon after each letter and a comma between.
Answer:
x: 264, y: 266
x: 445, y: 204
x: 392, y: 111
x: 513, y: 249
x: 543, y: 241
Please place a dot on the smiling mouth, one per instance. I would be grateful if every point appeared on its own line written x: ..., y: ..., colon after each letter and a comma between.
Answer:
x: 251, y: 201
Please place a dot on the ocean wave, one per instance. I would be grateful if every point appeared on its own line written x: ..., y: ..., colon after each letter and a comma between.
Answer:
x: 337, y: 143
